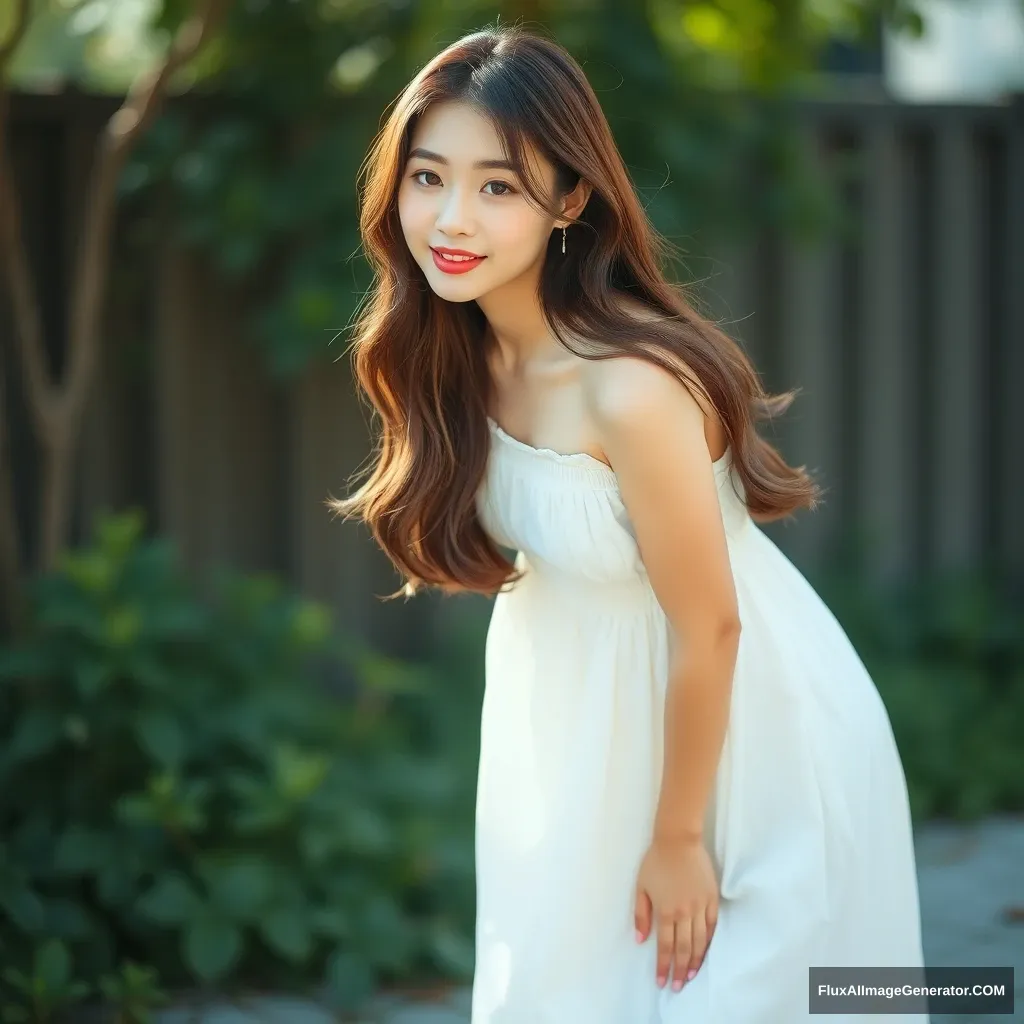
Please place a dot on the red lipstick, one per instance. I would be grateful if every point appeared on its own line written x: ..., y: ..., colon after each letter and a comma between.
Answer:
x: 460, y: 266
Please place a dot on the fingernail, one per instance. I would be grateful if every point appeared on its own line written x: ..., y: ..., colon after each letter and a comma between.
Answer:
x: 639, y: 935
x: 690, y: 975
x: 677, y: 984
x: 661, y: 981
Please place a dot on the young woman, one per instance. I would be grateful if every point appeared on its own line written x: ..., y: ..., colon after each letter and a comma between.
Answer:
x: 689, y: 791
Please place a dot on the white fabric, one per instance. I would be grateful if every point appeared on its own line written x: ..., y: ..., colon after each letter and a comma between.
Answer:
x: 808, y: 825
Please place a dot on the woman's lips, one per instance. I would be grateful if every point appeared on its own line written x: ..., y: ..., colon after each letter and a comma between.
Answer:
x: 455, y: 266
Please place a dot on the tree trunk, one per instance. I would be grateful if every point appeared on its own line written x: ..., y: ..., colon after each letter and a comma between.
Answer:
x: 57, y: 409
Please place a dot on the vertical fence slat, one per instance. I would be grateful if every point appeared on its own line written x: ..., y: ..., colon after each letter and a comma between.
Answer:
x: 335, y: 561
x: 330, y: 558
x: 718, y: 293
x: 739, y: 285
x: 218, y: 445
x: 885, y: 413
x: 105, y: 475
x: 809, y: 347
x: 178, y: 513
x: 247, y: 405
x: 954, y: 436
x: 1011, y: 498
x: 99, y: 474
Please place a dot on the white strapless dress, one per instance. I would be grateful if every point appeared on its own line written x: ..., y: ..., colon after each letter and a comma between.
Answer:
x: 808, y: 826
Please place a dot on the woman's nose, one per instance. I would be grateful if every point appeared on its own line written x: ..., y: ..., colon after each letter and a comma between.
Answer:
x: 454, y: 216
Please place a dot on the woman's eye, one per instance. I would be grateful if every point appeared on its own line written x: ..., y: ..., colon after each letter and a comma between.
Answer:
x: 505, y: 189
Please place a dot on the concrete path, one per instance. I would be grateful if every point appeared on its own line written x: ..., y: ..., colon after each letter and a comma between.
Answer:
x: 972, y: 901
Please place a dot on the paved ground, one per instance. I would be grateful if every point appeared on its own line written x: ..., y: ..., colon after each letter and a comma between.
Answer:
x: 972, y: 901
x: 972, y: 909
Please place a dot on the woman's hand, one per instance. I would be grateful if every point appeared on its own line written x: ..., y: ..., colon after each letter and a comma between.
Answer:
x: 677, y: 887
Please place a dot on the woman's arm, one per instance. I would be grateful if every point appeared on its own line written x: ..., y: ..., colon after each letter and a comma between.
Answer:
x: 652, y: 430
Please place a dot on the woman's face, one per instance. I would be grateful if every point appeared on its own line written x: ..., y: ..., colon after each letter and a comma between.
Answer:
x: 457, y: 193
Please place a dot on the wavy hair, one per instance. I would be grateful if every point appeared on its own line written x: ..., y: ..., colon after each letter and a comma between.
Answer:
x: 421, y: 361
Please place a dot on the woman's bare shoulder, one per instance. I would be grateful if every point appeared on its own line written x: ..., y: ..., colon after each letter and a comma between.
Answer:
x: 632, y: 373
x: 614, y: 384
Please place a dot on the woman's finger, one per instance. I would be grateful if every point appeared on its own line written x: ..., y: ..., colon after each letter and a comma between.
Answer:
x: 683, y: 944
x: 711, y: 918
x: 642, y: 915
x: 699, y: 945
x: 666, y: 948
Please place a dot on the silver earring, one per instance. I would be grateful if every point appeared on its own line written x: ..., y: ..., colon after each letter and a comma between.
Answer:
x: 563, y: 241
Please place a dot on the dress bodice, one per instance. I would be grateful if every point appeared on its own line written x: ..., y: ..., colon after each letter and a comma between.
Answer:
x: 565, y: 511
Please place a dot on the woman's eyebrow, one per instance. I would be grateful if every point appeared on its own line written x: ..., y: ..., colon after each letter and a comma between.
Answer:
x: 426, y: 154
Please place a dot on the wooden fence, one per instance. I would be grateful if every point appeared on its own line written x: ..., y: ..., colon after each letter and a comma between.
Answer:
x: 906, y: 338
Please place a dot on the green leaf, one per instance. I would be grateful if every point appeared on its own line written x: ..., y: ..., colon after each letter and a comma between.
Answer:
x: 25, y: 663
x: 32, y: 841
x: 161, y: 737
x: 53, y: 965
x: 122, y: 627
x: 349, y: 978
x: 68, y: 919
x: 36, y: 733
x: 141, y: 667
x: 81, y: 850
x: 382, y: 930
x: 367, y: 831
x: 119, y: 534
x: 257, y: 820
x: 172, y: 900
x: 238, y: 253
x: 76, y: 729
x: 387, y: 675
x: 334, y: 922
x: 287, y: 931
x: 311, y: 624
x: 240, y: 888
x: 298, y: 773
x: 23, y: 906
x: 212, y: 946
x: 92, y: 571
x: 115, y: 886
x: 453, y: 950
x: 137, y: 809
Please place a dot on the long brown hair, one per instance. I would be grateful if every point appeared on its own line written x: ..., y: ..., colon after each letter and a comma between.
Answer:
x: 422, y: 361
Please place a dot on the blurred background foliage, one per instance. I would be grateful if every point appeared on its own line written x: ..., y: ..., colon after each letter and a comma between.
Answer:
x: 188, y: 794
x: 182, y: 788
x: 300, y: 86
x: 229, y: 789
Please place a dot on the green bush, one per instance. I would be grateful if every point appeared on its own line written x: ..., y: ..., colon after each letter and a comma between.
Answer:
x: 184, y: 801
x: 947, y: 656
x: 179, y: 788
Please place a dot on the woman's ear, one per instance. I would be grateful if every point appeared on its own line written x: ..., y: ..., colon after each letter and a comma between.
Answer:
x: 575, y: 201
